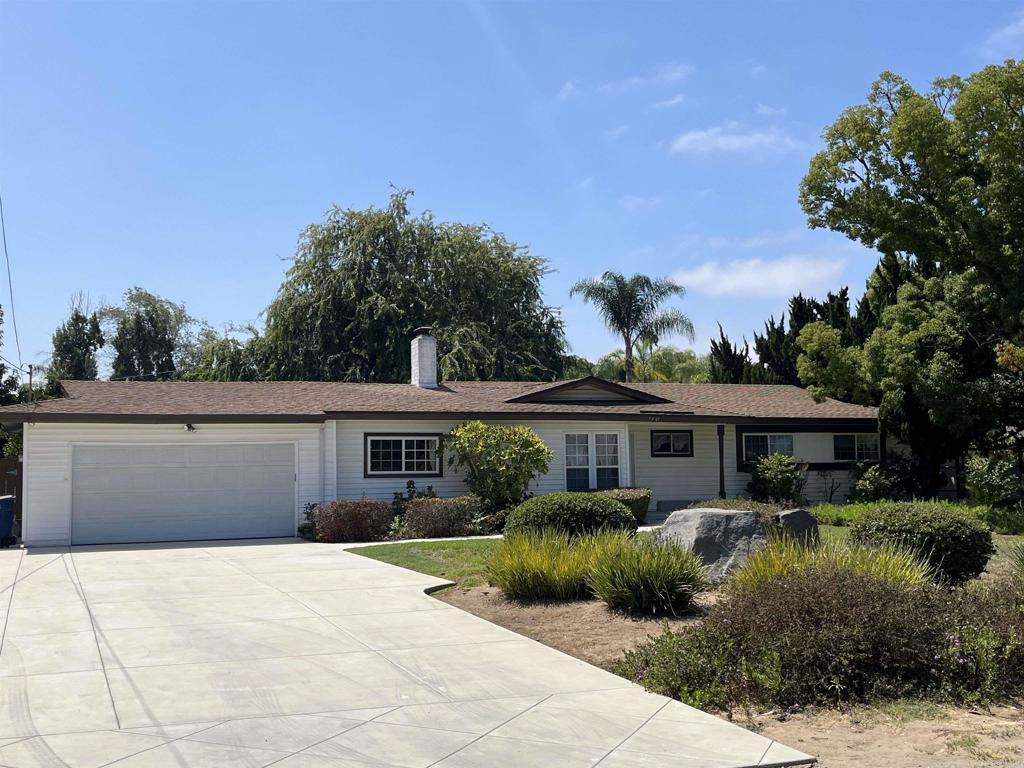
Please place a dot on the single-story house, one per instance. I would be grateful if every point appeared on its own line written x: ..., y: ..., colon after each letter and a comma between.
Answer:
x: 135, y: 461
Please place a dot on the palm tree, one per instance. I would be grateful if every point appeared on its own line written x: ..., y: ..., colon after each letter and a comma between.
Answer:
x: 631, y: 307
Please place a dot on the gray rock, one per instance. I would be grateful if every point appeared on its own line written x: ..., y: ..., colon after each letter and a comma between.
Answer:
x: 722, y: 537
x: 798, y: 523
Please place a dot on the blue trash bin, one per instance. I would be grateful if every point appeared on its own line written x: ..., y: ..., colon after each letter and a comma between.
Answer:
x: 7, y: 521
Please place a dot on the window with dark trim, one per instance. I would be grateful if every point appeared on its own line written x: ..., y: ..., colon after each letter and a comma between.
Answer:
x: 671, y: 442
x: 757, y: 445
x: 859, y: 447
x: 408, y: 455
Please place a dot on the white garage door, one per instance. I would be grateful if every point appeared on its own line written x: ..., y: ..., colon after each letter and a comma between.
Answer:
x: 136, y: 493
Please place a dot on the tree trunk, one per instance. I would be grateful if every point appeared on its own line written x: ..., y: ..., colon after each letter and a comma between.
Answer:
x: 628, y: 362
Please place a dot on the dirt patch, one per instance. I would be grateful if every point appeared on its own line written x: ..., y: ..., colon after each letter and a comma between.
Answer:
x: 950, y: 738
x: 585, y: 629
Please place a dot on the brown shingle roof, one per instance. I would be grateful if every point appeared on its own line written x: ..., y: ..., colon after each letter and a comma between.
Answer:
x: 315, y: 401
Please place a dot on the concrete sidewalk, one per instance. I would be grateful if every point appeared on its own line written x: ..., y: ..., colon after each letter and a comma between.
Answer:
x: 303, y: 655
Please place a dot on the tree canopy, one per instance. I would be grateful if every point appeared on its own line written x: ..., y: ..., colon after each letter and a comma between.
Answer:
x: 362, y: 281
x: 75, y: 343
x: 148, y: 334
x: 934, y: 182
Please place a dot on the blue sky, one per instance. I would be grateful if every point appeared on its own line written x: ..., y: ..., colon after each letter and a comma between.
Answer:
x: 182, y: 147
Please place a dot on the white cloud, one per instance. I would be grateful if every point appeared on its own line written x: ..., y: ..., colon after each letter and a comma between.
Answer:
x: 675, y: 101
x: 617, y: 132
x: 763, y: 277
x: 585, y: 183
x: 766, y: 111
x: 667, y: 73
x: 732, y: 138
x: 635, y: 203
x: 1007, y: 41
x: 567, y: 91
x: 758, y: 69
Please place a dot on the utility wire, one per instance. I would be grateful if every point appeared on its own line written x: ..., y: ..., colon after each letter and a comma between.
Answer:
x: 14, y: 365
x: 10, y: 283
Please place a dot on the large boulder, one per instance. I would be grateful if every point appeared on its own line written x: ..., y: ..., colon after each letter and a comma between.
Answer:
x: 798, y: 523
x: 722, y: 537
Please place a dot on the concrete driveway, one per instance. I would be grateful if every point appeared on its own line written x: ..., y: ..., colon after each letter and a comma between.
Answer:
x: 303, y: 655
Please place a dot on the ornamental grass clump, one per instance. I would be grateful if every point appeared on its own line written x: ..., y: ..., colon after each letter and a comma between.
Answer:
x: 648, y: 576
x: 540, y: 565
x: 783, y: 555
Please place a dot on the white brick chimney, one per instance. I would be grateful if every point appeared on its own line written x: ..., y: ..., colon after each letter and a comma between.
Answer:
x: 424, y: 359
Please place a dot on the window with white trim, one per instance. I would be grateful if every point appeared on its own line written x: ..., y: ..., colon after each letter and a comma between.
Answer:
x: 858, y: 447
x: 403, y: 455
x: 756, y: 446
x: 591, y: 461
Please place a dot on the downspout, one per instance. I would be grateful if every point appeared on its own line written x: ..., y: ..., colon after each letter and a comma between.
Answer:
x: 721, y: 461
x: 323, y: 463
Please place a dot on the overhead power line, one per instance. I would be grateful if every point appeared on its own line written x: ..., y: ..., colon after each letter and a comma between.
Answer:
x: 10, y: 283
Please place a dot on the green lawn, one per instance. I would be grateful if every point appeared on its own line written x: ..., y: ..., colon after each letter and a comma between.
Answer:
x: 460, y: 561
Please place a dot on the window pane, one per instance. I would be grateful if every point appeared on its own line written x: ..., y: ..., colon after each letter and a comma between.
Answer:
x: 681, y: 443
x: 867, y: 448
x: 577, y: 450
x: 385, y: 455
x: 577, y: 479
x: 661, y: 442
x: 607, y: 449
x: 755, y: 446
x: 843, y: 448
x: 607, y: 477
x: 781, y: 444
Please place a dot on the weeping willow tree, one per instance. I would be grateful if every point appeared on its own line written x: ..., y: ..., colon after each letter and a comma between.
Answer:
x: 362, y: 280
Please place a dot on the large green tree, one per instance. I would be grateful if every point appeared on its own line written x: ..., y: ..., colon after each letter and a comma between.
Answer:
x: 75, y: 343
x: 10, y: 387
x: 935, y: 183
x: 363, y: 280
x: 149, y: 335
x: 632, y: 308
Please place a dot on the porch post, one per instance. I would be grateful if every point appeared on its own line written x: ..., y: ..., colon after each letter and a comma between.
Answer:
x: 721, y: 461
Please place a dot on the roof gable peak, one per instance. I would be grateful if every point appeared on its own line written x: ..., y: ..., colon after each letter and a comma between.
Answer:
x: 590, y: 390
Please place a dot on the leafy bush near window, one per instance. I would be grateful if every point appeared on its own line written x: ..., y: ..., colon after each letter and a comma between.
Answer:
x: 831, y: 635
x: 870, y: 483
x: 571, y: 512
x: 434, y: 517
x: 499, y: 460
x: 401, y: 498
x: 647, y: 575
x: 783, y: 556
x: 637, y: 499
x: 954, y: 541
x: 994, y: 480
x: 777, y: 477
x: 347, y: 520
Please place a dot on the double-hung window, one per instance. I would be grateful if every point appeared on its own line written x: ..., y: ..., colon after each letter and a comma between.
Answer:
x: 591, y: 461
x: 859, y: 447
x: 756, y: 446
x: 407, y: 455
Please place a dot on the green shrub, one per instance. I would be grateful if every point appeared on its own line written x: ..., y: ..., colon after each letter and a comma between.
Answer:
x: 499, y: 460
x: 950, y: 537
x: 540, y: 565
x: 432, y: 518
x: 572, y: 513
x: 782, y: 556
x: 400, y: 498
x: 1005, y: 520
x: 636, y: 499
x: 650, y: 576
x: 994, y: 480
x: 870, y: 483
x: 777, y: 477
x: 348, y: 520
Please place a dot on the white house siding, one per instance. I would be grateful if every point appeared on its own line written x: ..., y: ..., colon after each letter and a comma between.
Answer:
x: 351, y: 437
x: 47, y: 457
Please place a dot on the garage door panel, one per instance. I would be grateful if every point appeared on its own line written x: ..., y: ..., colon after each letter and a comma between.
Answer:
x: 173, y: 493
